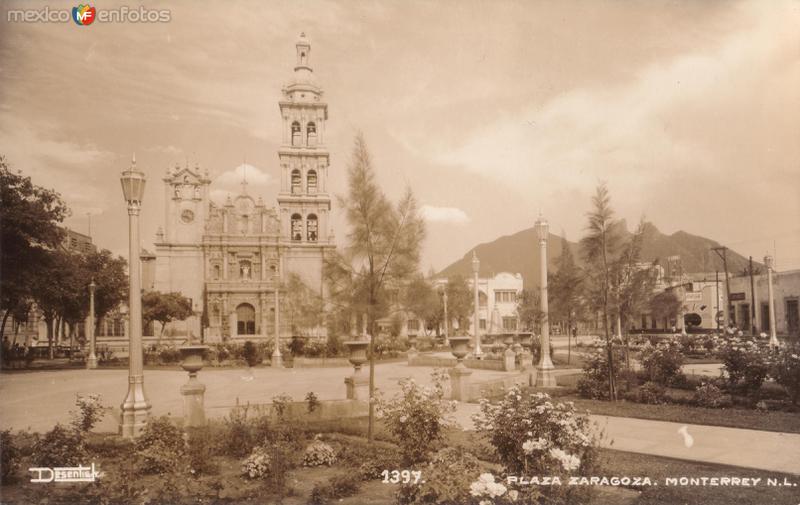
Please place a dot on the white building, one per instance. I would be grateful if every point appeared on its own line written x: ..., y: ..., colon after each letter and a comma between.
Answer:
x: 497, y: 303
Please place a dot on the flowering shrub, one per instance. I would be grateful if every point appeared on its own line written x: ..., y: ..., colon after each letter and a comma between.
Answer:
x: 745, y: 362
x: 540, y: 425
x: 532, y: 435
x: 319, y: 453
x: 594, y: 381
x: 256, y: 465
x: 448, y: 479
x: 786, y: 370
x: 90, y: 411
x: 709, y: 395
x: 662, y: 362
x: 418, y: 417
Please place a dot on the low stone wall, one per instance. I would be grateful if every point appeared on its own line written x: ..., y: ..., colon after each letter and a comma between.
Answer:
x: 478, y: 364
x: 496, y: 387
x: 325, y: 410
x: 301, y: 362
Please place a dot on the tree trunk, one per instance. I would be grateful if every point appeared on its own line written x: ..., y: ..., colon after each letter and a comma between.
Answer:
x: 569, y: 337
x: 3, y: 325
x: 371, y: 424
x: 50, y: 323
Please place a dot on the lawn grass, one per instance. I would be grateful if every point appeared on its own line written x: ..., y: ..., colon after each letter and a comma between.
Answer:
x: 658, y: 468
x: 787, y: 422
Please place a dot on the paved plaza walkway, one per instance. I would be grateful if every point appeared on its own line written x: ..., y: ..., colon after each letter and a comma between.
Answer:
x: 764, y: 450
x: 38, y: 400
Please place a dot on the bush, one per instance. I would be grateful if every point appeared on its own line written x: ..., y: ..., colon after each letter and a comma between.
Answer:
x: 446, y: 479
x: 338, y: 486
x: 417, y: 418
x: 376, y: 460
x: 334, y: 347
x: 200, y: 449
x: 90, y: 411
x: 663, y: 362
x: 319, y: 453
x: 59, y: 447
x: 9, y: 456
x: 160, y: 448
x: 250, y: 353
x: 651, y: 393
x: 786, y: 370
x: 296, y: 346
x: 594, y: 381
x: 709, y: 395
x: 237, y: 439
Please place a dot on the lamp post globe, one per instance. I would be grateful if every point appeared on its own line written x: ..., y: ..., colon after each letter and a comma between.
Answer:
x: 135, y: 407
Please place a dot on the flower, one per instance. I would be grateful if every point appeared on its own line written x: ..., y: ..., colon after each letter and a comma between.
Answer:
x: 568, y: 461
x: 534, y: 445
x: 513, y: 495
x: 486, y: 486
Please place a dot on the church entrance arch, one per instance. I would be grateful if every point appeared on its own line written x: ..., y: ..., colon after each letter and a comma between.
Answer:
x: 245, y: 319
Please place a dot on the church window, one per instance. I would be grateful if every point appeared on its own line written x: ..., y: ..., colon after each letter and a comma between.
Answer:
x: 297, y: 182
x: 216, y: 272
x: 311, y: 228
x: 311, y: 181
x: 245, y: 224
x: 311, y: 133
x: 245, y: 319
x: 297, y: 227
x: 296, y: 134
x: 245, y: 270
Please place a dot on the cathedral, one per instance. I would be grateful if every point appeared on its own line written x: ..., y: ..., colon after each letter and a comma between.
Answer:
x: 232, y: 259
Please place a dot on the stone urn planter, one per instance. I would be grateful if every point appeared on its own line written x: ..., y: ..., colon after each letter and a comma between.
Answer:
x: 358, y: 352
x: 193, y: 391
x: 357, y: 385
x: 193, y: 357
x: 459, y: 347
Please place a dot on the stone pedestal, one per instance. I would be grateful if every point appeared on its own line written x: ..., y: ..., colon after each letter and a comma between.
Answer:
x: 460, y: 382
x: 357, y: 386
x: 412, y: 355
x: 509, y: 358
x: 545, y: 378
x: 194, y: 413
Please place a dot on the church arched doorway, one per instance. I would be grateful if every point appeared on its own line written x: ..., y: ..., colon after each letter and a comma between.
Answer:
x: 245, y: 319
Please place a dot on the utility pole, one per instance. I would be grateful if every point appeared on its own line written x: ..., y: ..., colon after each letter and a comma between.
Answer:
x: 753, y: 329
x: 724, y: 257
x: 716, y: 295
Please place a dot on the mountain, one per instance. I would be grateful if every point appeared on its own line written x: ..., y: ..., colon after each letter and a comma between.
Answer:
x: 519, y: 253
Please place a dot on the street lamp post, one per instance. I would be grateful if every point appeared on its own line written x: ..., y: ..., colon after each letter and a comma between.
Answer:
x: 476, y: 265
x: 773, y: 334
x: 91, y: 362
x: 446, y: 319
x: 544, y: 373
x: 277, y: 357
x: 135, y: 407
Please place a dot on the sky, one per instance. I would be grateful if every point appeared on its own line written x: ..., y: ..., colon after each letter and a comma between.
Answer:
x: 492, y: 112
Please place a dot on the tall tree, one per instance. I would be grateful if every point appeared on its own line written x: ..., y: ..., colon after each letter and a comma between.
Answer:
x: 110, y: 277
x: 165, y: 308
x: 421, y: 300
x: 564, y: 289
x: 384, y: 243
x: 29, y: 226
x: 460, y: 302
x: 599, y: 247
x: 665, y: 305
x: 303, y: 305
x: 529, y: 310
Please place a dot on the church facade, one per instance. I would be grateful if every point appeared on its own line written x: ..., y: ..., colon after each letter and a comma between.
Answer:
x: 233, y: 259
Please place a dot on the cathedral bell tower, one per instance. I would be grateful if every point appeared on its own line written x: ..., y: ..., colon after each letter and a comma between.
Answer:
x: 303, y: 199
x: 186, y: 198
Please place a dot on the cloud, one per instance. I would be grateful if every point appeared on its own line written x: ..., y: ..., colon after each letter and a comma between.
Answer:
x: 452, y: 215
x: 235, y: 176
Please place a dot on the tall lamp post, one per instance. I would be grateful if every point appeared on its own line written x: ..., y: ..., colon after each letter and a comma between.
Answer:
x: 544, y: 373
x: 446, y: 319
x: 773, y: 334
x: 91, y: 362
x: 135, y: 408
x: 476, y: 265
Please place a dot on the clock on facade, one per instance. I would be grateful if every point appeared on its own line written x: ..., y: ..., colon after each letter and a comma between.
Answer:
x: 187, y: 216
